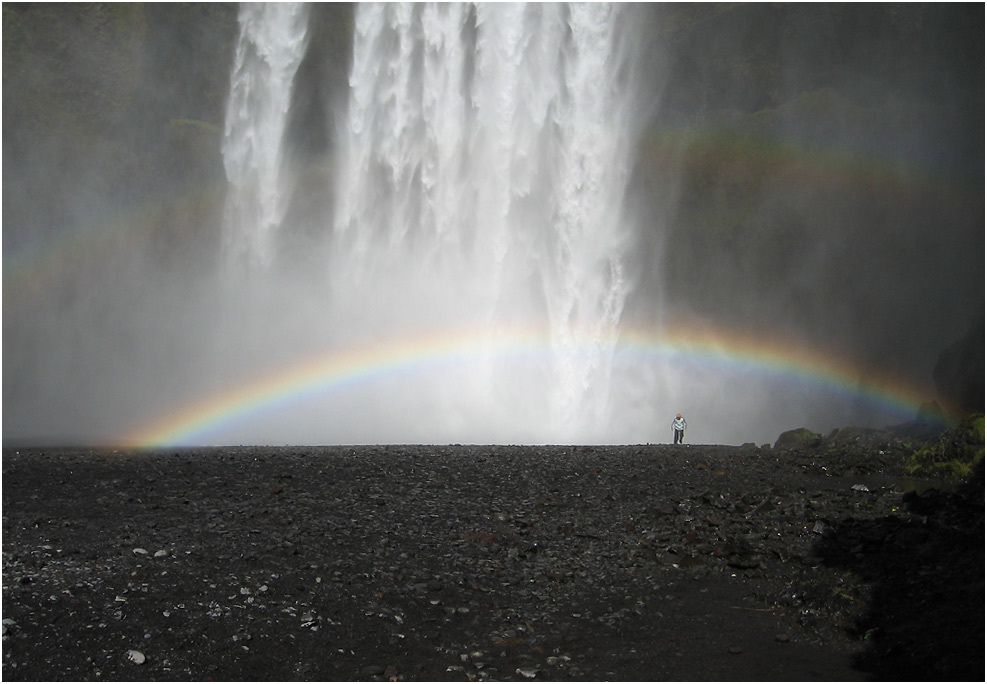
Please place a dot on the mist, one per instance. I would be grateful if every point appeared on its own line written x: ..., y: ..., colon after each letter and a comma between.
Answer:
x: 810, y: 178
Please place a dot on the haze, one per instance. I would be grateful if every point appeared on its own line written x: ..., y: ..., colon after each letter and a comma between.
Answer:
x: 809, y: 177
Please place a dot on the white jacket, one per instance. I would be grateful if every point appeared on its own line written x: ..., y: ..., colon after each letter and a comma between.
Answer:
x: 679, y: 424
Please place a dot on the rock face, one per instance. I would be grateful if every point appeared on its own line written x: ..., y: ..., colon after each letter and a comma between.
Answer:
x: 484, y: 563
x: 959, y: 372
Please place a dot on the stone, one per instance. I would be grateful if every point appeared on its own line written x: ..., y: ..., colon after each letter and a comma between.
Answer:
x: 799, y: 438
x: 136, y: 657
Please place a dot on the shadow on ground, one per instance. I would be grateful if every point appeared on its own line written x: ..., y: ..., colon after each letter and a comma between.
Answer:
x: 925, y: 568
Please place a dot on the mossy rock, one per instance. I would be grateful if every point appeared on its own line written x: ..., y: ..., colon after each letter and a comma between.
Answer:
x: 955, y: 453
x: 799, y: 438
x: 854, y: 436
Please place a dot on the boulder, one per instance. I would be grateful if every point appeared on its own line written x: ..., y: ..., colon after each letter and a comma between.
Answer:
x: 799, y: 438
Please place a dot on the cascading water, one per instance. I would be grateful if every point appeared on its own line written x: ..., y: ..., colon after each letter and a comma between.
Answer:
x: 485, y: 159
x: 431, y: 242
x: 272, y: 42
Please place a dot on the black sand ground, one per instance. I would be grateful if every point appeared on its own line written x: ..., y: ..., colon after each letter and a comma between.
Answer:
x: 486, y: 563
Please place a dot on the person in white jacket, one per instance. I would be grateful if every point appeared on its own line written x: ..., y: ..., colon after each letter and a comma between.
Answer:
x: 678, y: 428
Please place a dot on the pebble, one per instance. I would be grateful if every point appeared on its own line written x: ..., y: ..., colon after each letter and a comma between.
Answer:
x: 136, y: 657
x: 616, y: 539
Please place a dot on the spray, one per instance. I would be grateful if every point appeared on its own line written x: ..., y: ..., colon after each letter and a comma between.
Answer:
x: 272, y: 42
x: 485, y: 163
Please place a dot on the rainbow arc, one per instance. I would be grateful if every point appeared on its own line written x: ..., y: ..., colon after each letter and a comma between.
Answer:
x: 335, y: 370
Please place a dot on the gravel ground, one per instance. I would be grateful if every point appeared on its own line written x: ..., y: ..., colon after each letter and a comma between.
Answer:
x: 487, y: 563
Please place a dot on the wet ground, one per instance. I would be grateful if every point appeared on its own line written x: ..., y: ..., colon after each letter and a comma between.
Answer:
x: 487, y: 563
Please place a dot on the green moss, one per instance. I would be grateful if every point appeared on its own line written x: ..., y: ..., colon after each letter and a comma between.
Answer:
x: 954, y: 454
x: 800, y: 438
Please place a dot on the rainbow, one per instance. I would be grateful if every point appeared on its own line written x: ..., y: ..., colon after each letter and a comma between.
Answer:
x: 338, y: 369
x: 804, y: 164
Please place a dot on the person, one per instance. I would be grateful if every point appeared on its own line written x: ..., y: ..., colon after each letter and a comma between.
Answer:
x: 678, y: 428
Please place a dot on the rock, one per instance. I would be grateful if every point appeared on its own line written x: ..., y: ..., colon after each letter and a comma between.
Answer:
x: 140, y: 552
x: 799, y: 438
x: 959, y: 371
x: 744, y: 563
x: 162, y: 553
x: 136, y: 657
x: 768, y: 532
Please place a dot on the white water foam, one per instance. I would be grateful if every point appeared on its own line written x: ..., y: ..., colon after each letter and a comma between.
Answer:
x: 272, y: 42
x: 485, y: 162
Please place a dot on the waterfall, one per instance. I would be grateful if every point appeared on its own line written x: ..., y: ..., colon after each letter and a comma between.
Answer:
x: 270, y: 47
x: 484, y: 163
